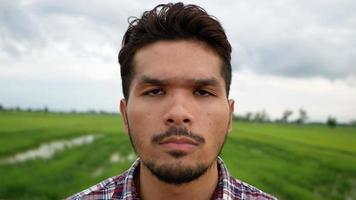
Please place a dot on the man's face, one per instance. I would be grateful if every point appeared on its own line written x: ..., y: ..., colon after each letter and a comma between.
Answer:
x: 177, y: 113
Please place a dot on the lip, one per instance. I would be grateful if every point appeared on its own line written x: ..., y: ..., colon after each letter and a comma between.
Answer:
x: 179, y: 143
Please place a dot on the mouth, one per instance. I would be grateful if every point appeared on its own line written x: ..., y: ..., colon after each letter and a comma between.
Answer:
x: 179, y: 143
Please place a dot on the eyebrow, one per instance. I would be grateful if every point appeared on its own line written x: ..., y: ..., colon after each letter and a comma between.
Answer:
x: 212, y: 81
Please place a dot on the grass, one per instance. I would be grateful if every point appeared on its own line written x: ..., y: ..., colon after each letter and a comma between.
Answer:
x: 294, y: 162
x: 289, y: 161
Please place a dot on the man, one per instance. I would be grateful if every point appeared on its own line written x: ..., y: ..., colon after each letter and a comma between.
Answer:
x: 176, y: 73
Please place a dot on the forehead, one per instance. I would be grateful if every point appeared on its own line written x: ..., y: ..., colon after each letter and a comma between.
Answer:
x: 183, y: 59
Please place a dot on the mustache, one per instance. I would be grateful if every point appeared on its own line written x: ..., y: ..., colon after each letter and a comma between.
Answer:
x: 174, y: 131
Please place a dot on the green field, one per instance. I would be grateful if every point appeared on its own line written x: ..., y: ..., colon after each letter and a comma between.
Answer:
x: 289, y: 161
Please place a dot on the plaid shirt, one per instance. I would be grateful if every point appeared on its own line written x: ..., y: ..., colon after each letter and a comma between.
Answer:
x: 123, y: 187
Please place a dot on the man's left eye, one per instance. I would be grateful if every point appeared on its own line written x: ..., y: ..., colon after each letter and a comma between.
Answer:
x: 201, y: 92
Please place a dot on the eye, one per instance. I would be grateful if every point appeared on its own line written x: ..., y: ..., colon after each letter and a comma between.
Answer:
x: 201, y: 92
x: 154, y: 92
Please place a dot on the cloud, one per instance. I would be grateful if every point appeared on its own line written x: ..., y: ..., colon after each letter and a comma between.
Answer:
x: 320, y: 97
x: 294, y: 38
x: 286, y: 38
x: 19, y: 30
x: 65, y: 51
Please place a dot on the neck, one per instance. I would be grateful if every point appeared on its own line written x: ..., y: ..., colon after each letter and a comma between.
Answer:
x: 201, y: 189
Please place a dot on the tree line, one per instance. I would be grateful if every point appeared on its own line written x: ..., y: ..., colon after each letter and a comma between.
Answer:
x: 262, y: 116
x: 45, y: 109
x: 259, y: 116
x: 301, y: 117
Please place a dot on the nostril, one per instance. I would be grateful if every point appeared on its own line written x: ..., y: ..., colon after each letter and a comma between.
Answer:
x: 186, y: 120
x: 170, y: 120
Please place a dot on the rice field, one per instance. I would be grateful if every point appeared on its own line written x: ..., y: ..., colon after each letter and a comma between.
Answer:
x: 53, y: 155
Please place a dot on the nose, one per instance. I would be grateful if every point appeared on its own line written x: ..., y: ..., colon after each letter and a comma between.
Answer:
x: 178, y: 113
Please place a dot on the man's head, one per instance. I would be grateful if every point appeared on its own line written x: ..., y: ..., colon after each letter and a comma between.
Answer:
x: 172, y: 22
x: 175, y: 65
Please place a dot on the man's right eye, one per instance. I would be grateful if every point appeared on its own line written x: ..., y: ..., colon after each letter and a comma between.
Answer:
x: 154, y: 92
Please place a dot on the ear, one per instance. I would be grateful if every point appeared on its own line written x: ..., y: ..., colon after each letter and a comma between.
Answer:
x: 123, y: 106
x: 231, y: 110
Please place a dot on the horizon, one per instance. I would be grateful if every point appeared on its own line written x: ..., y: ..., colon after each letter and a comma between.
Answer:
x: 285, y: 54
x: 236, y: 117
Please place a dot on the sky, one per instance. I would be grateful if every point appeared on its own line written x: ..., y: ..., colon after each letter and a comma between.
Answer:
x: 287, y: 54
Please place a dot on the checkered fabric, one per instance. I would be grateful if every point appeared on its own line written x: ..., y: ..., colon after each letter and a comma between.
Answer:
x: 123, y: 187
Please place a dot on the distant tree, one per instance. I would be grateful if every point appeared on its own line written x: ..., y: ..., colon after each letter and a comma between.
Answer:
x: 92, y: 111
x: 235, y: 117
x: 257, y: 117
x: 103, y: 112
x: 286, y: 115
x: 264, y: 116
x: 17, y: 108
x: 302, y: 116
x: 331, y: 122
x: 260, y: 116
x: 277, y: 121
x: 1, y: 107
x: 45, y: 109
x: 353, y: 122
x: 248, y: 116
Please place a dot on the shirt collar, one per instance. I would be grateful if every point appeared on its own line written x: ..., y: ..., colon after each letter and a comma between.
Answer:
x: 131, y: 192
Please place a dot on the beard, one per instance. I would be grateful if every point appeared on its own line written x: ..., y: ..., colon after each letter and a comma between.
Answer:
x: 175, y: 172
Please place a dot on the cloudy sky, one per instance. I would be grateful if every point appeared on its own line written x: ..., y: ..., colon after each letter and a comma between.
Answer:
x: 287, y: 54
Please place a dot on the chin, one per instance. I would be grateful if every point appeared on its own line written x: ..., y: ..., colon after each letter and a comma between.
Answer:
x: 176, y: 171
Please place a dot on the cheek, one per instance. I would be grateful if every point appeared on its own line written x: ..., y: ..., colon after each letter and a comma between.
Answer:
x: 138, y: 115
x: 218, y: 117
x: 213, y: 123
x: 140, y: 119
x: 219, y: 129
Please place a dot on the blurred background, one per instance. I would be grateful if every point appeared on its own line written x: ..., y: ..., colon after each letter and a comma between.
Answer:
x: 294, y: 80
x: 286, y: 54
